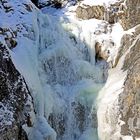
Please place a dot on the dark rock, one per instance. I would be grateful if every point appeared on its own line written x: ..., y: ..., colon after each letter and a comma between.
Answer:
x: 13, y: 97
x: 35, y: 2
x: 28, y: 7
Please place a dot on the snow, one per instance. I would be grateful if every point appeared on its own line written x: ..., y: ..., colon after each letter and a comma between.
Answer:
x: 127, y: 138
x: 6, y: 116
x: 98, y: 2
x: 108, y: 99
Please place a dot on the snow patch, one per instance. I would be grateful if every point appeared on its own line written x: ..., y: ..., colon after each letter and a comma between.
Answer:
x: 6, y: 116
x: 98, y: 2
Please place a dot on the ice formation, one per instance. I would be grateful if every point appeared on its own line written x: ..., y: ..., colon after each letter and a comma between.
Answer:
x: 64, y: 79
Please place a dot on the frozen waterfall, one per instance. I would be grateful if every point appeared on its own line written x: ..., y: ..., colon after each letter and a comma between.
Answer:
x: 64, y: 79
x: 70, y: 81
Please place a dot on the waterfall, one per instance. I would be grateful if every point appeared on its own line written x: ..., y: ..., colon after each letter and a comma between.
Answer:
x: 69, y: 78
x: 60, y: 69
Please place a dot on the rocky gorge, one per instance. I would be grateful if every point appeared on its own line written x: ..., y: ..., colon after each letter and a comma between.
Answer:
x: 50, y: 66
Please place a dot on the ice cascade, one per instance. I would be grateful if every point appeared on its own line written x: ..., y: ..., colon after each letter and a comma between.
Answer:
x: 64, y: 80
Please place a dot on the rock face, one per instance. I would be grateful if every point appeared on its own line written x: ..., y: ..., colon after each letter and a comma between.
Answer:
x: 35, y: 2
x: 126, y: 42
x: 131, y: 14
x: 88, y: 12
x: 54, y: 3
x: 119, y: 116
x: 109, y: 13
x: 119, y: 110
x: 130, y: 98
x: 124, y: 11
x: 13, y: 99
x: 112, y: 12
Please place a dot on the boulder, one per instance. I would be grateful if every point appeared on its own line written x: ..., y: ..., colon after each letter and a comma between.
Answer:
x: 88, y: 12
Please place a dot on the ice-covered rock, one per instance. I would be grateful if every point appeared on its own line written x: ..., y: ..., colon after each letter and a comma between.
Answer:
x: 118, y: 112
x: 16, y: 104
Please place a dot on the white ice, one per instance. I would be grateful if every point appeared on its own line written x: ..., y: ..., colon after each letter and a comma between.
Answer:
x: 59, y: 67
